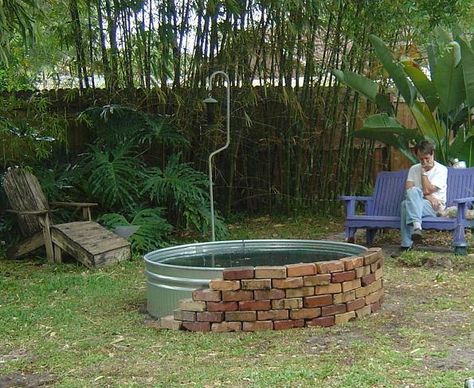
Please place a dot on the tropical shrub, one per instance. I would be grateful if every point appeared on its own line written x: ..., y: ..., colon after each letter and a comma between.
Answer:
x: 152, y: 228
x: 117, y: 124
x: 184, y: 191
x: 113, y: 172
x: 57, y: 183
x: 440, y: 102
x: 113, y: 177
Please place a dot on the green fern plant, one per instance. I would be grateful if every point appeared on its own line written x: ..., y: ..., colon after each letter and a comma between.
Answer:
x: 114, y: 178
x: 184, y: 191
x: 152, y: 232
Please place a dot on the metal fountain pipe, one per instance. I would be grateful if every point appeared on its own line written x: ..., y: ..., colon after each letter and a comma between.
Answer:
x: 211, y: 190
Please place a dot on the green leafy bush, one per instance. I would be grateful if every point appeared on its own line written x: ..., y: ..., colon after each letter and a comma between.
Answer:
x: 28, y: 130
x: 184, y: 191
x: 152, y: 231
x: 113, y: 177
x: 118, y: 124
x: 117, y: 178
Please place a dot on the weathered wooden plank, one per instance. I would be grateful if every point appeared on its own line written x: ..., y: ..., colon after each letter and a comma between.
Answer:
x: 111, y: 257
x: 58, y: 254
x: 24, y: 193
x: 71, y: 247
x: 26, y: 246
x: 91, y: 249
x: 73, y: 204
x: 92, y: 237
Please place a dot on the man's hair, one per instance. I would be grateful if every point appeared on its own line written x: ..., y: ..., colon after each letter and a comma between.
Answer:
x: 425, y: 147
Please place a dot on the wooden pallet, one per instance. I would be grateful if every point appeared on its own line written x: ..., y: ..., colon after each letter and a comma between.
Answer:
x: 90, y: 243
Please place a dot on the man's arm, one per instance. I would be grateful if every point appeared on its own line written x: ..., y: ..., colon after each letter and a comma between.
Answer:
x: 428, y: 188
x: 427, y: 165
x: 434, y: 201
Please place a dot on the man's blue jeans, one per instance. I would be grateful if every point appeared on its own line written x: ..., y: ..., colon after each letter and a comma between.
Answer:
x: 412, y: 209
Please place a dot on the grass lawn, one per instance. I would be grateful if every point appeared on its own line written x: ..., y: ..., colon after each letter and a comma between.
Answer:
x: 65, y: 325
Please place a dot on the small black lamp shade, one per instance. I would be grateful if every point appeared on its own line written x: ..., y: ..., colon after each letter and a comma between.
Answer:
x: 210, y: 104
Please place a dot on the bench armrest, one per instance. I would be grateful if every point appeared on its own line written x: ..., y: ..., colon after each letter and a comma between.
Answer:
x: 464, y: 200
x: 27, y: 212
x: 73, y: 204
x: 85, y: 206
x: 351, y: 201
x: 462, y: 205
x: 355, y: 197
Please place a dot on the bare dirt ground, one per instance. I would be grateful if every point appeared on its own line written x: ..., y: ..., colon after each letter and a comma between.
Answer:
x: 442, y: 308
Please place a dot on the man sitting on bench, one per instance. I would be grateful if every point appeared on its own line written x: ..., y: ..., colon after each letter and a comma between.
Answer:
x: 425, y: 193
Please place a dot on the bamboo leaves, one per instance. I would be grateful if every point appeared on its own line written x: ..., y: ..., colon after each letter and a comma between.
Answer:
x: 16, y: 16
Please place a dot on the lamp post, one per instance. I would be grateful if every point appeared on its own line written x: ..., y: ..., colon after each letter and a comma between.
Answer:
x: 210, y: 100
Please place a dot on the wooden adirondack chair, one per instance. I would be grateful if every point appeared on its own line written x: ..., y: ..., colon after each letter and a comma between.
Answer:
x: 87, y: 241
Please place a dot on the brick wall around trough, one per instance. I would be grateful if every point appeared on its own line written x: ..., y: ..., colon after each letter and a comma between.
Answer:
x: 283, y: 297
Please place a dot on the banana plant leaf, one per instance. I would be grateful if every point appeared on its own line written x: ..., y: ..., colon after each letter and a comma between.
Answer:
x: 388, y: 130
x: 422, y: 84
x: 448, y: 79
x: 394, y: 69
x: 459, y: 119
x: 358, y: 82
x: 385, y: 123
x: 467, y: 53
x: 432, y: 59
x: 389, y: 139
x: 384, y: 104
x: 429, y: 126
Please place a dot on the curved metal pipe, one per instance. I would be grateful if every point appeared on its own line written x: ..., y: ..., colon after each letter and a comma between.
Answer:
x: 211, y: 190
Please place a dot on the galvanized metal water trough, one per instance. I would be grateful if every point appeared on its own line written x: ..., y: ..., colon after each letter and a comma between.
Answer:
x: 173, y: 273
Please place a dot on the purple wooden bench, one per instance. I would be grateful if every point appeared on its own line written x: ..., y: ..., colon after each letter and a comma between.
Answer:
x: 382, y: 209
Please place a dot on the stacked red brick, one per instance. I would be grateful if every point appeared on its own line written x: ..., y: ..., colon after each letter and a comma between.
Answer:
x: 282, y: 297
